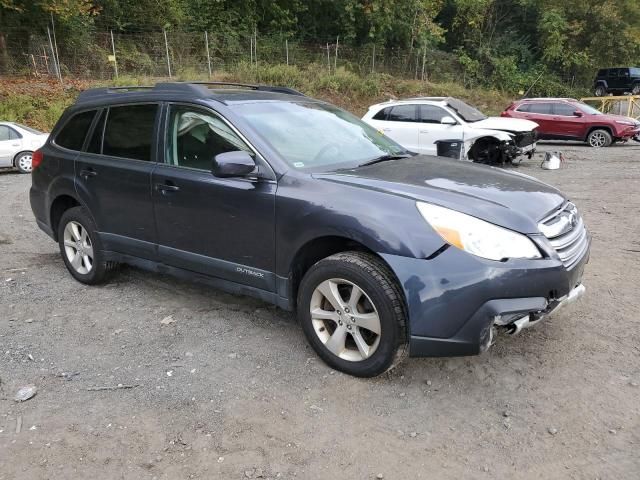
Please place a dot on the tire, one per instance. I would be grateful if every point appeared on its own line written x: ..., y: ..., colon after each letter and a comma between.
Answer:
x: 600, y: 91
x: 599, y: 138
x: 337, y: 334
x: 487, y: 151
x: 22, y: 161
x: 635, y: 90
x: 76, y: 236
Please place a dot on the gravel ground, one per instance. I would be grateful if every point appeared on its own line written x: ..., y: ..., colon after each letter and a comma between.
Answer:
x: 226, y: 387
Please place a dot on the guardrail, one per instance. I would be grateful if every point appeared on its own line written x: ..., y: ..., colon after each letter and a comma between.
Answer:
x: 627, y: 105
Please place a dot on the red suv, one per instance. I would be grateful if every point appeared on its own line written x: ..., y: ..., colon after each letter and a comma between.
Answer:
x: 569, y: 119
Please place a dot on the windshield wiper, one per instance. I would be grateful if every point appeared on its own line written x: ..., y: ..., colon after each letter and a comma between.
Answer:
x: 385, y: 158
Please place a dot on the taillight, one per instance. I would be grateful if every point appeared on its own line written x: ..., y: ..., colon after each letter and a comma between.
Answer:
x: 36, y: 159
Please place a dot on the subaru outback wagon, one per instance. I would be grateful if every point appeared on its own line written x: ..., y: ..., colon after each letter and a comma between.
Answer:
x: 265, y: 192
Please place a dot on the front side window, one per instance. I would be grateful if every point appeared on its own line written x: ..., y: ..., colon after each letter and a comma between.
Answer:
x: 7, y: 133
x: 564, y: 110
x: 431, y: 114
x: 403, y: 113
x: 75, y: 130
x: 316, y: 137
x: 129, y: 131
x: 195, y: 137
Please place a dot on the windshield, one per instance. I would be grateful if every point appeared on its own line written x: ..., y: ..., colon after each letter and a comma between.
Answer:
x: 588, y: 109
x: 29, y: 129
x: 466, y: 112
x: 315, y: 136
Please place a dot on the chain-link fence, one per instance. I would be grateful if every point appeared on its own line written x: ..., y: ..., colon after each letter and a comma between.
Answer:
x: 170, y: 53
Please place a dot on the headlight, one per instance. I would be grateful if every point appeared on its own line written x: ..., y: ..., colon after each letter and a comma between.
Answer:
x: 476, y: 236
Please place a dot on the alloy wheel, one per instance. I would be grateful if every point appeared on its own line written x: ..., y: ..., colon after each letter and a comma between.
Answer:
x: 24, y: 162
x: 78, y: 247
x: 597, y: 139
x: 345, y: 320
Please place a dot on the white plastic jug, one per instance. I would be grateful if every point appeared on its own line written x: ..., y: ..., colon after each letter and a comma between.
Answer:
x: 552, y: 161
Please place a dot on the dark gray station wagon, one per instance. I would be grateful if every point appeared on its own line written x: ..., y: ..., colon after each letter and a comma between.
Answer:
x: 265, y: 192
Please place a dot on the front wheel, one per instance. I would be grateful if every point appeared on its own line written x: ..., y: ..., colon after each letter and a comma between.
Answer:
x: 599, y: 138
x: 22, y: 162
x: 81, y: 249
x: 352, y: 313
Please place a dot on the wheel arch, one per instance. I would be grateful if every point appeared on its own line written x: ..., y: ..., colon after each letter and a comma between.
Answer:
x: 60, y: 204
x: 599, y: 127
x: 315, y: 250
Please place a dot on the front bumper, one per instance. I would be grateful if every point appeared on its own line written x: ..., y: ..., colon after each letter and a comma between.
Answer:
x: 455, y: 299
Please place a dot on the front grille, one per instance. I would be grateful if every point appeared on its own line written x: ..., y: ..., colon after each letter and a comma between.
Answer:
x: 524, y: 138
x: 567, y: 234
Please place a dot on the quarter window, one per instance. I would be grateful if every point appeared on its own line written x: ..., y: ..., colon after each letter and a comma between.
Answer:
x: 75, y: 130
x: 196, y: 137
x: 431, y: 114
x: 129, y: 131
x: 7, y: 133
x: 382, y: 114
x: 403, y: 113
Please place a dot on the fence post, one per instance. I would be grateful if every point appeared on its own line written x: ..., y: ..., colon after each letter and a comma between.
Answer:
x: 424, y: 59
x: 335, y: 60
x: 286, y: 47
x: 55, y: 53
x: 251, y: 50
x: 113, y: 49
x: 328, y: 58
x: 206, y: 42
x: 373, y: 59
x: 255, y: 45
x: 166, y: 47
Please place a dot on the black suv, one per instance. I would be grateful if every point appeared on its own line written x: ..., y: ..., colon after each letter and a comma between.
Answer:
x: 617, y: 80
x: 263, y: 191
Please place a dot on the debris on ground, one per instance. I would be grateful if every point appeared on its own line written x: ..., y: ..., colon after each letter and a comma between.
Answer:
x: 25, y: 393
x: 120, y: 386
x: 168, y: 320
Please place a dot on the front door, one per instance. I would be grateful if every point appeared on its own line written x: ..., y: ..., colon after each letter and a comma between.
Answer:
x: 222, y: 227
x: 432, y: 130
x: 113, y: 178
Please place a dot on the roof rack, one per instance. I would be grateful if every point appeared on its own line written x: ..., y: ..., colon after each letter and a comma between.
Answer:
x: 195, y: 88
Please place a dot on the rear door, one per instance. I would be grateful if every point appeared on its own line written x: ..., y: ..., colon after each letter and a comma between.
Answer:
x: 399, y: 122
x: 542, y: 114
x: 113, y: 177
x: 222, y: 227
x: 432, y: 130
x: 10, y: 144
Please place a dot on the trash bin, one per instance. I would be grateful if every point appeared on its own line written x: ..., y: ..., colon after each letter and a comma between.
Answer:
x: 449, y: 148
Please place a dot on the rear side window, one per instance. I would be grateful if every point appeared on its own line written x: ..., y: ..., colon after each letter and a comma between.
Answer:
x: 525, y: 107
x: 75, y: 130
x: 403, y: 113
x: 613, y: 73
x: 382, y: 114
x: 602, y: 73
x: 129, y: 131
x: 564, y: 109
x: 7, y: 133
x: 431, y: 114
x: 542, y: 108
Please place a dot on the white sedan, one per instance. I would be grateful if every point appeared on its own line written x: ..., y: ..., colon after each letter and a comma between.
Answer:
x: 421, y: 124
x: 17, y: 144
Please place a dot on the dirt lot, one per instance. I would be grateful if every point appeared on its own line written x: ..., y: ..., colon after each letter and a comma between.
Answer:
x: 230, y: 389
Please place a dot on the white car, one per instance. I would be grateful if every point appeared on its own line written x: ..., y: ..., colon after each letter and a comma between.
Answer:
x: 17, y: 144
x: 418, y: 124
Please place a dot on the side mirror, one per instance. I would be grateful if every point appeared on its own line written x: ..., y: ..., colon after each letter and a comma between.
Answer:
x: 578, y: 113
x: 233, y: 164
x: 447, y: 120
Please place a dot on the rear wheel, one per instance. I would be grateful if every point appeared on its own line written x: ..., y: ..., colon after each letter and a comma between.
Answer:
x: 600, y: 91
x: 636, y: 89
x: 599, y: 138
x: 351, y: 311
x: 81, y: 249
x: 22, y: 162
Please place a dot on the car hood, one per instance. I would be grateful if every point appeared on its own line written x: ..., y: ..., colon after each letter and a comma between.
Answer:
x: 608, y: 117
x: 506, y: 198
x: 506, y: 124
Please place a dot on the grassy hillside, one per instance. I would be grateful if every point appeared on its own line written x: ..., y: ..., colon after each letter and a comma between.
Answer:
x: 39, y: 103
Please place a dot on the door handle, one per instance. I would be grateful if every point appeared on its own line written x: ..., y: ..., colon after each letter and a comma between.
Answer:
x: 166, y: 188
x: 15, y: 144
x: 424, y: 131
x: 386, y: 129
x: 88, y: 172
